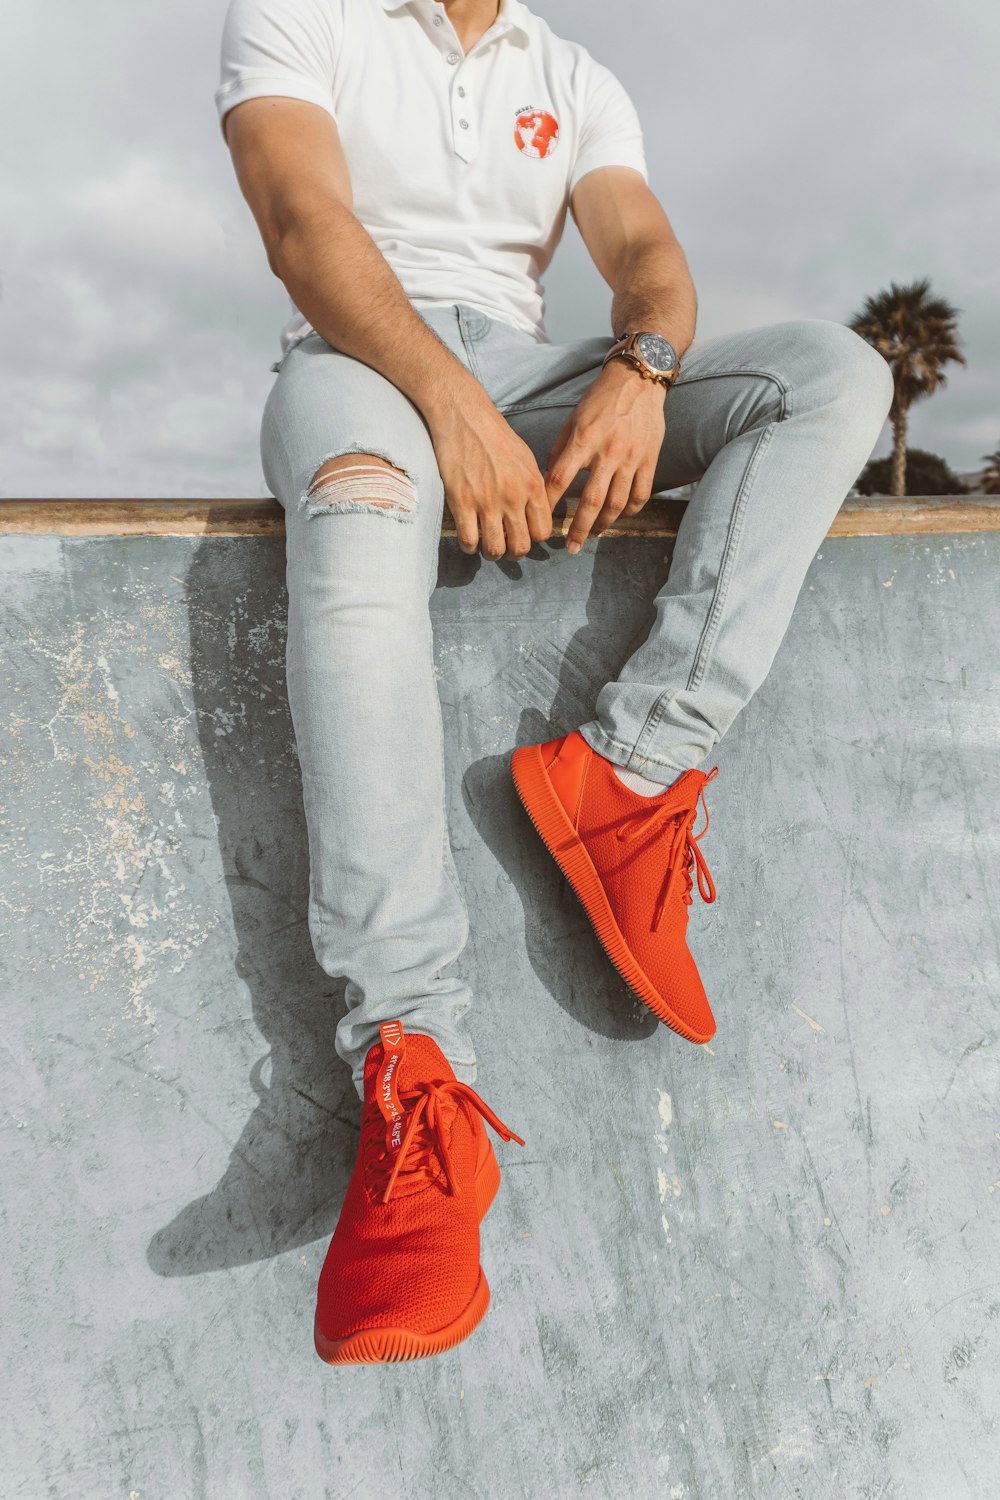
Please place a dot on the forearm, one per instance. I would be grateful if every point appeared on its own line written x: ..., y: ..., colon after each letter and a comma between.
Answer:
x: 340, y: 280
x: 653, y: 290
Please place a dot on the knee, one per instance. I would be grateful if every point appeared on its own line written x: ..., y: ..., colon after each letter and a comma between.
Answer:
x: 845, y: 368
x: 360, y: 482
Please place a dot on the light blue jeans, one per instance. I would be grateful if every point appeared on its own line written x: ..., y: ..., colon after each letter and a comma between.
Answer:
x: 774, y: 422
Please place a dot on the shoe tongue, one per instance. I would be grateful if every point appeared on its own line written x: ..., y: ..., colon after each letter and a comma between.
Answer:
x: 405, y: 1061
x: 387, y: 1081
x: 679, y: 794
x: 685, y: 790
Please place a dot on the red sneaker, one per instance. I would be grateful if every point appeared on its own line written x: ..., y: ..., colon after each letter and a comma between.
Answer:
x: 402, y: 1278
x: 628, y: 858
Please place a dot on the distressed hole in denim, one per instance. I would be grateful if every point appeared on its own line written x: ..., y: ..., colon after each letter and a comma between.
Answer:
x: 369, y: 483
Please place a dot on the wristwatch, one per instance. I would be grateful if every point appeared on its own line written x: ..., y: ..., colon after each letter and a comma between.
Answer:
x: 650, y: 353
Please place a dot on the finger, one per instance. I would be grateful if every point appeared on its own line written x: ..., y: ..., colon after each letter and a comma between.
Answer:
x: 518, y: 540
x: 538, y: 513
x: 494, y: 543
x: 615, y: 502
x: 466, y: 526
x: 641, y: 491
x: 561, y: 473
x: 591, y: 500
x: 560, y: 442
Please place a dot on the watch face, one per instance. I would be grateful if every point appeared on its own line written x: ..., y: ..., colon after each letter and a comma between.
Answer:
x: 656, y: 352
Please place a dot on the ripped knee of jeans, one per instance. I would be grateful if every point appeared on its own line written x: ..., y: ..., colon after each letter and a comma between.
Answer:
x: 351, y: 482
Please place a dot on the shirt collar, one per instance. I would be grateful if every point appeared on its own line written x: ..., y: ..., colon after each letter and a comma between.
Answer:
x: 512, y: 12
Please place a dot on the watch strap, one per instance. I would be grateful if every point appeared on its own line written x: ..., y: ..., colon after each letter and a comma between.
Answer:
x: 618, y: 347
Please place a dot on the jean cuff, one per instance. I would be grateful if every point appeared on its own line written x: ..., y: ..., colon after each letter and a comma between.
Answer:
x: 624, y: 756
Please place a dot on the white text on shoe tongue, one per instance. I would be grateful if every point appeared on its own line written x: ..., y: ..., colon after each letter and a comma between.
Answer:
x: 393, y: 1047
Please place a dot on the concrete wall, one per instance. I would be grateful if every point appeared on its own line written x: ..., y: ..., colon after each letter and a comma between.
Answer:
x: 763, y: 1267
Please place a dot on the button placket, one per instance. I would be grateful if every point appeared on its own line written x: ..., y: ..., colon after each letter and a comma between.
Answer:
x: 463, y: 135
x: 463, y: 132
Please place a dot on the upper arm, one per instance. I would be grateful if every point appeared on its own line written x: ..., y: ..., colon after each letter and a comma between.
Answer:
x: 275, y: 108
x: 610, y: 198
x: 288, y: 161
x: 614, y: 210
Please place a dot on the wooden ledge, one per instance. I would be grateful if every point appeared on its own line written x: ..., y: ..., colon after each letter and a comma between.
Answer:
x: 81, y: 518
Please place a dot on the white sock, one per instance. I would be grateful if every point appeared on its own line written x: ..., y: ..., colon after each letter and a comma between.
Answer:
x: 637, y: 783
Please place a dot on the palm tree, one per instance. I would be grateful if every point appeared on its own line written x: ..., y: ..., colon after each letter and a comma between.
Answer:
x: 917, y: 334
x: 991, y: 474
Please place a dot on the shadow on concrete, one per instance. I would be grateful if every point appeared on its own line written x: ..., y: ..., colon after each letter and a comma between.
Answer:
x: 561, y: 944
x: 289, y: 1169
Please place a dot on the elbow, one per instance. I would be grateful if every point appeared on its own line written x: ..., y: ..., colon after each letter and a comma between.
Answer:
x: 285, y: 239
x: 272, y: 259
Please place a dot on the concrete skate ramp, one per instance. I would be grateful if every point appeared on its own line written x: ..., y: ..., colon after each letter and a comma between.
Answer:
x: 763, y: 1267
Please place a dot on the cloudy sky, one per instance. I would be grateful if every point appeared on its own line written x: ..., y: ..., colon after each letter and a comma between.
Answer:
x: 807, y: 155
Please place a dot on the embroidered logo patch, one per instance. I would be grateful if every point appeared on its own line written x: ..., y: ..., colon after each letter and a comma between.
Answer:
x: 536, y: 132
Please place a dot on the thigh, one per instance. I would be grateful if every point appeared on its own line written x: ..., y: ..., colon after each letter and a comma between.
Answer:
x: 728, y: 383
x: 324, y: 403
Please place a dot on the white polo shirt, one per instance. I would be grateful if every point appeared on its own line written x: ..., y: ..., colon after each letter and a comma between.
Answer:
x: 461, y: 165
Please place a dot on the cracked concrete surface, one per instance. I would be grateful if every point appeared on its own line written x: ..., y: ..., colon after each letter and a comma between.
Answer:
x: 764, y: 1267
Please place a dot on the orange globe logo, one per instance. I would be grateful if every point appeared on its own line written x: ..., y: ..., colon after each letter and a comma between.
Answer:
x: 536, y: 132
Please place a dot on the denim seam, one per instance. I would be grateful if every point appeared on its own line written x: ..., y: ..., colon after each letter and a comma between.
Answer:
x: 729, y: 554
x: 710, y: 629
x: 469, y: 344
x: 435, y: 547
x: 447, y: 853
x: 659, y: 708
x: 529, y: 404
x: 435, y: 562
x: 782, y: 385
x: 521, y: 407
x: 448, y: 857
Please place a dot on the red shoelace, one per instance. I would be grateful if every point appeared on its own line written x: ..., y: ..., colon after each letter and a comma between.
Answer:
x: 425, y: 1134
x: 683, y: 846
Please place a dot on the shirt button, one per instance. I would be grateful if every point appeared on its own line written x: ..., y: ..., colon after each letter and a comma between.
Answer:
x: 464, y: 124
x: 437, y: 20
x: 453, y: 57
x: 461, y: 92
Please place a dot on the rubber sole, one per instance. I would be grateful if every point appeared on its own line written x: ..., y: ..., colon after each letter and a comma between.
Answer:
x: 378, y: 1346
x: 569, y: 852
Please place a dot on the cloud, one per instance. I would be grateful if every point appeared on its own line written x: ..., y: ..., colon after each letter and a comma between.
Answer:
x: 805, y: 155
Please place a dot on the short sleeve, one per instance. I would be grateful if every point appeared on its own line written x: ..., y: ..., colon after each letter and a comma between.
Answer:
x: 286, y: 47
x: 610, y: 134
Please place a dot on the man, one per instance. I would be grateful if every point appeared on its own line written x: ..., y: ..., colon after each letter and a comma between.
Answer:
x: 410, y: 165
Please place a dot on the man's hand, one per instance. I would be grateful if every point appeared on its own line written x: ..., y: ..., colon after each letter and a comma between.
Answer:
x: 616, y: 432
x: 492, y: 484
